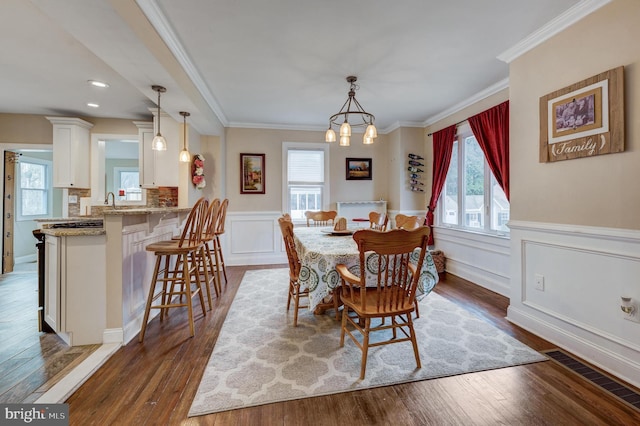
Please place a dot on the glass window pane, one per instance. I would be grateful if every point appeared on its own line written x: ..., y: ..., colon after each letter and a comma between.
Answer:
x: 303, y: 198
x: 130, y: 180
x: 34, y: 202
x: 473, y: 184
x: 32, y: 175
x: 499, y: 207
x: 450, y: 192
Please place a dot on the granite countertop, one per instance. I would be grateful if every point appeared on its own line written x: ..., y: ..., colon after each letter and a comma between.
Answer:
x: 145, y: 210
x: 72, y: 232
x: 69, y: 219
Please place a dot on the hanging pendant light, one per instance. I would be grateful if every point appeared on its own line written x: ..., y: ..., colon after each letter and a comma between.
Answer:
x: 185, y: 157
x: 351, y: 109
x: 159, y: 143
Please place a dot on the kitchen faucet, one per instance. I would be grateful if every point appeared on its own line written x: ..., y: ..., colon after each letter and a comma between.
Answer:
x: 113, y: 202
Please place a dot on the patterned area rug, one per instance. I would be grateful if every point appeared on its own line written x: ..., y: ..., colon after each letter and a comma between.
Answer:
x: 261, y: 358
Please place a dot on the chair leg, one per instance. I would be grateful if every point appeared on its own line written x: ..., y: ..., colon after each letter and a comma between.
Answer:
x: 290, y: 294
x: 212, y: 267
x: 296, y: 303
x: 186, y: 274
x: 217, y: 252
x: 224, y: 269
x: 365, y: 347
x: 198, y: 290
x: 336, y: 302
x: 417, y: 309
x: 414, y: 342
x: 204, y: 266
x: 343, y: 327
x: 147, y: 308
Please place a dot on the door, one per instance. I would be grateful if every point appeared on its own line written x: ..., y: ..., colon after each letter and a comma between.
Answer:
x: 10, y: 160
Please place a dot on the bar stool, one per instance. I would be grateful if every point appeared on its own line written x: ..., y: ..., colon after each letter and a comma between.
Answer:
x: 188, y: 252
x: 208, y: 266
x: 217, y: 247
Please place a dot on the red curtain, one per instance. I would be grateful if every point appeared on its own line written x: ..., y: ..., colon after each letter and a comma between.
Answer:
x: 491, y: 129
x: 442, y: 148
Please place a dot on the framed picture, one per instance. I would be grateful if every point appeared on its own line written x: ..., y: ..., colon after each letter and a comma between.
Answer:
x: 252, y: 173
x: 359, y: 169
x: 584, y: 119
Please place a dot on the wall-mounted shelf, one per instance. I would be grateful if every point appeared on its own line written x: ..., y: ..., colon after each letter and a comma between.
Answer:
x: 415, y: 169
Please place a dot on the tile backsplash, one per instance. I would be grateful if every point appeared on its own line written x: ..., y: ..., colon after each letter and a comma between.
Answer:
x: 163, y: 196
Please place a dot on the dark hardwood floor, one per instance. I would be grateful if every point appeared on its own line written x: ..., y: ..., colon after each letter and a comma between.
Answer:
x: 30, y: 361
x: 154, y: 383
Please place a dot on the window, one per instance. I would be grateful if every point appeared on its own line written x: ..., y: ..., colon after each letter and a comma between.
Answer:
x: 33, y: 192
x: 305, y: 178
x: 472, y: 199
x: 126, y: 181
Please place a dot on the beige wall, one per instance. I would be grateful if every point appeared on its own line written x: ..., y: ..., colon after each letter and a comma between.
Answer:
x: 401, y: 142
x: 269, y: 142
x: 598, y: 191
x: 25, y: 129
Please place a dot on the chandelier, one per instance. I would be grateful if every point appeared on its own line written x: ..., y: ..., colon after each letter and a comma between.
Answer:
x: 359, y: 118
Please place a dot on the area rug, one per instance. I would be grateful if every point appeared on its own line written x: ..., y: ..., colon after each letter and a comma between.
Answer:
x: 261, y: 358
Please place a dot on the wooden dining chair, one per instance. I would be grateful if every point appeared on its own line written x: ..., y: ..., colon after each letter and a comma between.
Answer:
x: 182, y: 262
x: 408, y: 222
x: 391, y: 295
x: 286, y: 226
x: 320, y: 218
x: 378, y: 221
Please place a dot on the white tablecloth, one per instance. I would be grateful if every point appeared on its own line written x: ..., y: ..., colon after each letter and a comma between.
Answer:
x: 320, y: 252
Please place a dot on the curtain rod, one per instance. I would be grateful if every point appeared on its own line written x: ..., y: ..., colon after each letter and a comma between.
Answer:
x: 457, y: 124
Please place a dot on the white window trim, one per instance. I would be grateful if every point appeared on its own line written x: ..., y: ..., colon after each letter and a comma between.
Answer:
x: 48, y: 186
x: 286, y: 146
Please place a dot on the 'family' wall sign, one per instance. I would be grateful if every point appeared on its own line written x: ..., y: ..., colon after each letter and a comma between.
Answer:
x: 584, y: 119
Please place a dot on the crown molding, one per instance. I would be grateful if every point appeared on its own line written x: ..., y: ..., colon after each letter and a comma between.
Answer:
x: 491, y: 90
x: 553, y: 27
x: 158, y: 20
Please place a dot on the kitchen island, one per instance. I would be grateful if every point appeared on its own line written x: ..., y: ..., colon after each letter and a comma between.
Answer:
x: 97, y: 278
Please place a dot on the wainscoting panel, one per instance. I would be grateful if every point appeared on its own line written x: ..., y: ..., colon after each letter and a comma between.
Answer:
x: 566, y: 286
x: 136, y: 280
x: 482, y: 259
x: 253, y: 238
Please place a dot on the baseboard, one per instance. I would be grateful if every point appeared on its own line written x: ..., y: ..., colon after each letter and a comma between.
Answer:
x: 609, y: 361
x: 113, y: 335
x: 29, y: 258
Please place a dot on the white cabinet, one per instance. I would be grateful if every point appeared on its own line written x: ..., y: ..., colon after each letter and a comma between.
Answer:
x: 158, y: 168
x: 75, y: 288
x: 71, y: 152
x: 146, y: 157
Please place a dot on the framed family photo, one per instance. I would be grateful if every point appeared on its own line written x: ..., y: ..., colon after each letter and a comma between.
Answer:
x: 584, y: 119
x: 359, y: 169
x: 252, y: 173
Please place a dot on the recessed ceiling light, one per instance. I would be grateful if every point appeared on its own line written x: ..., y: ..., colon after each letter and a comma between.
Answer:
x: 98, y: 83
x: 92, y: 105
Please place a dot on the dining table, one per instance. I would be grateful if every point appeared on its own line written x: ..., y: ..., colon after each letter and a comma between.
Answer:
x: 320, y: 249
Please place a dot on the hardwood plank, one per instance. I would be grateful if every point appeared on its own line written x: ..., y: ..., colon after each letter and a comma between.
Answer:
x: 30, y: 361
x: 154, y: 382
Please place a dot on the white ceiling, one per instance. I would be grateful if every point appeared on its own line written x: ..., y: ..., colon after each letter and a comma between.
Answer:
x: 268, y: 64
